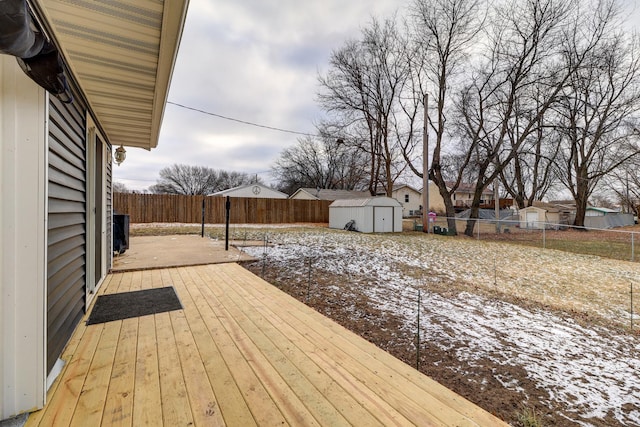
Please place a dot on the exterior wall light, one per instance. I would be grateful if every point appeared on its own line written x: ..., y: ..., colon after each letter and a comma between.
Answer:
x: 120, y: 155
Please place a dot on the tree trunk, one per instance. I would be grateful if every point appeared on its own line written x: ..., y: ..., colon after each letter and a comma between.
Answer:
x: 582, y: 192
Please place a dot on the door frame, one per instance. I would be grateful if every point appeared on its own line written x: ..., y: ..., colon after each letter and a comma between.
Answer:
x: 95, y: 251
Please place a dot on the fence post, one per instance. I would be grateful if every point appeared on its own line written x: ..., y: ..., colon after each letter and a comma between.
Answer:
x: 309, y: 281
x: 227, y: 209
x: 418, y: 336
x: 202, y: 232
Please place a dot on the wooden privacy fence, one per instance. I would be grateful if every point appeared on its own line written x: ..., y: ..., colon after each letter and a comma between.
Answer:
x: 144, y: 208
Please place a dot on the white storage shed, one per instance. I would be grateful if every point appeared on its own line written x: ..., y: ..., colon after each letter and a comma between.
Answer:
x: 371, y: 215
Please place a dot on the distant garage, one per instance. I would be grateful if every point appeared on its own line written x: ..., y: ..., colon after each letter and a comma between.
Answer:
x: 370, y: 215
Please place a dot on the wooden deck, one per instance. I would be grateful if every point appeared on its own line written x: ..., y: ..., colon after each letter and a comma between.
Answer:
x: 241, y: 353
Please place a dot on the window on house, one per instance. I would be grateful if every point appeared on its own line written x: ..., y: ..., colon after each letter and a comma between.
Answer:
x: 406, y: 198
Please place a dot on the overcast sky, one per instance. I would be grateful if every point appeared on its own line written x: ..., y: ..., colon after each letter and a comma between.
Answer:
x: 252, y: 60
x: 256, y: 61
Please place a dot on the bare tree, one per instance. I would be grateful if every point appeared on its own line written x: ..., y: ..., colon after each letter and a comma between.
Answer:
x: 502, y: 106
x: 443, y: 32
x: 598, y: 112
x: 624, y: 184
x: 119, y: 187
x: 530, y: 175
x: 197, y: 180
x: 361, y: 91
x: 322, y: 162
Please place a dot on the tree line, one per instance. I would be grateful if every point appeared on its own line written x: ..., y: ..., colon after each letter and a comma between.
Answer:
x: 194, y: 180
x: 533, y: 96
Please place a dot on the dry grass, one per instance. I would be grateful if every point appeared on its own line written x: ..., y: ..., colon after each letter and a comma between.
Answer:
x: 621, y: 244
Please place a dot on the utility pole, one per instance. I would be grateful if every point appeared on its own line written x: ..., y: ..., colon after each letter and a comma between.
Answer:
x: 425, y: 167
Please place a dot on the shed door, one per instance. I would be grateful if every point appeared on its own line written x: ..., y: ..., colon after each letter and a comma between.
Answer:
x: 532, y: 219
x: 383, y: 219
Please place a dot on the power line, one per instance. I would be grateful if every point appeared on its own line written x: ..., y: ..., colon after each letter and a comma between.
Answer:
x: 238, y: 120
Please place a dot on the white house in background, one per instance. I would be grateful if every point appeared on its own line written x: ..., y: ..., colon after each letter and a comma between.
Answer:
x: 410, y: 198
x: 328, y: 194
x: 371, y: 215
x: 99, y: 78
x: 258, y: 191
x: 436, y: 202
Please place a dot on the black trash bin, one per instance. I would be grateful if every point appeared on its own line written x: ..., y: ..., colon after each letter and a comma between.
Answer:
x: 120, y: 233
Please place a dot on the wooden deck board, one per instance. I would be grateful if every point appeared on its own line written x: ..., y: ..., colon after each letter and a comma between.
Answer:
x: 252, y: 367
x: 146, y: 392
x: 338, y: 367
x: 118, y: 408
x: 295, y: 379
x: 240, y: 352
x: 204, y: 407
x: 176, y: 409
x: 90, y: 406
x: 325, y: 396
x: 376, y: 378
x: 222, y: 358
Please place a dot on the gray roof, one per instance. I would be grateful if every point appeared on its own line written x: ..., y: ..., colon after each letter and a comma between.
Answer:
x: 370, y: 201
x: 328, y: 194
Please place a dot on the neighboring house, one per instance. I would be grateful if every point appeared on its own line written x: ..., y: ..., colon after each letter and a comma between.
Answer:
x: 436, y: 202
x: 110, y: 64
x: 410, y: 198
x: 258, y: 191
x: 328, y: 194
x: 370, y: 215
x: 463, y: 196
x: 546, y: 215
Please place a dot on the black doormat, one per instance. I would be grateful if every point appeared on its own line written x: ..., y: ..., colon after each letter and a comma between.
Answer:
x: 126, y: 305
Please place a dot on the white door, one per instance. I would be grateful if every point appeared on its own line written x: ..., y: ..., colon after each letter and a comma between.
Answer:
x: 383, y: 219
x: 532, y: 219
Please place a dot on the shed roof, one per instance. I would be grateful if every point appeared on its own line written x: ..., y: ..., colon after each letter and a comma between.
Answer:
x: 330, y: 194
x: 370, y: 201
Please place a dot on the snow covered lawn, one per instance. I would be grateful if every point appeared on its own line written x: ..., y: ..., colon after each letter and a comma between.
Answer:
x: 542, y: 311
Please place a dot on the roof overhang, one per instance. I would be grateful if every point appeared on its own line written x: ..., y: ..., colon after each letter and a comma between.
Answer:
x: 122, y: 54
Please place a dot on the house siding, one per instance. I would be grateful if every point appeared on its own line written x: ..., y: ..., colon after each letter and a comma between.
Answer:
x: 66, y: 255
